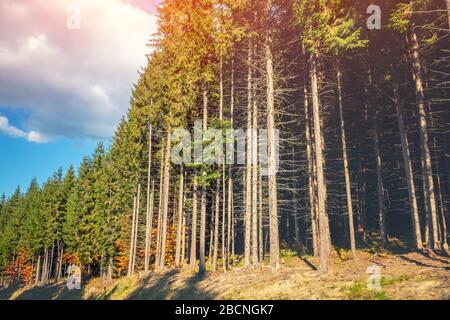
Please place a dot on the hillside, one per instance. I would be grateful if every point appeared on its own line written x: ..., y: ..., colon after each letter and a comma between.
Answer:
x: 404, y: 276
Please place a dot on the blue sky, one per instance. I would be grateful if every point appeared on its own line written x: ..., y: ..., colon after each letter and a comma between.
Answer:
x: 21, y: 160
x: 66, y: 75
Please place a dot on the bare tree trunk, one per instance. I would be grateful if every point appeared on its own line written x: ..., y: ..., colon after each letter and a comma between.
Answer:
x: 229, y: 218
x: 348, y: 187
x: 380, y: 186
x: 443, y: 223
x: 321, y: 193
x: 254, y: 172
x: 273, y: 193
x: 150, y: 194
x: 311, y: 174
x: 50, y: 268
x: 424, y: 141
x: 202, y: 268
x: 44, y: 268
x: 60, y: 261
x: 211, y: 239
x: 408, y: 170
x: 180, y: 220
x: 183, y: 236
x: 160, y: 206
x: 261, y: 216
x: 248, y: 169
x: 203, y: 194
x: 133, y: 218
x: 136, y: 229
x: 216, y: 229
x: 165, y: 202
x: 38, y: 270
x: 230, y: 178
x: 193, y: 254
x: 224, y: 221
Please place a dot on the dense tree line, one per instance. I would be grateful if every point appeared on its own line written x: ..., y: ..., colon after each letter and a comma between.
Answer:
x: 364, y: 146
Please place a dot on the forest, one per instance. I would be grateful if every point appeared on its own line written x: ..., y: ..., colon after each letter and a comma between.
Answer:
x: 363, y: 115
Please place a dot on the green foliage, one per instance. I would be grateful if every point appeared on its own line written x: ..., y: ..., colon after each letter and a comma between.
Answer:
x: 327, y: 26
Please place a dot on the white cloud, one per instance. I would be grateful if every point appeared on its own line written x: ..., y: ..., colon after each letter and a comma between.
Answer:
x: 72, y: 83
x: 10, y: 130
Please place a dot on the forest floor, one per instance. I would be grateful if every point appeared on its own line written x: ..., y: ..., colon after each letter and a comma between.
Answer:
x: 408, y: 275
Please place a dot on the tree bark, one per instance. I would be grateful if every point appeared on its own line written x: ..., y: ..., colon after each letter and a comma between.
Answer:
x: 348, y: 188
x: 136, y: 229
x: 424, y: 141
x: 203, y: 195
x: 165, y: 200
x: 160, y: 206
x: 254, y: 172
x: 230, y: 178
x: 38, y: 270
x: 408, y: 170
x: 150, y: 193
x: 248, y: 169
x: 260, y: 226
x: 380, y: 186
x: 273, y: 193
x: 216, y: 229
x: 180, y: 220
x: 311, y: 174
x: 193, y: 253
x: 321, y: 193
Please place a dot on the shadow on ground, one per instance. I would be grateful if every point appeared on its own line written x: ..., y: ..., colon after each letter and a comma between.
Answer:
x: 45, y: 292
x: 172, y: 285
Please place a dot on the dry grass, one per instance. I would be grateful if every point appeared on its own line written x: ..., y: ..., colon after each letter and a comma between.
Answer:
x: 404, y: 276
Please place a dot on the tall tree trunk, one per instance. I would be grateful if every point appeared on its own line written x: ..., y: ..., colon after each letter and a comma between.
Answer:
x: 193, y: 253
x: 180, y: 220
x: 45, y: 267
x: 183, y: 236
x: 273, y: 193
x: 150, y: 193
x: 248, y: 169
x: 408, y: 170
x: 50, y: 268
x: 216, y: 228
x: 149, y: 226
x: 380, y: 186
x: 348, y: 188
x: 254, y: 172
x: 203, y: 204
x: 321, y: 193
x: 136, y: 229
x: 223, y: 183
x: 424, y: 141
x: 38, y: 271
x: 230, y: 177
x: 60, y: 261
x: 165, y: 200
x: 203, y: 194
x: 160, y: 206
x: 311, y: 174
x: 261, y: 216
